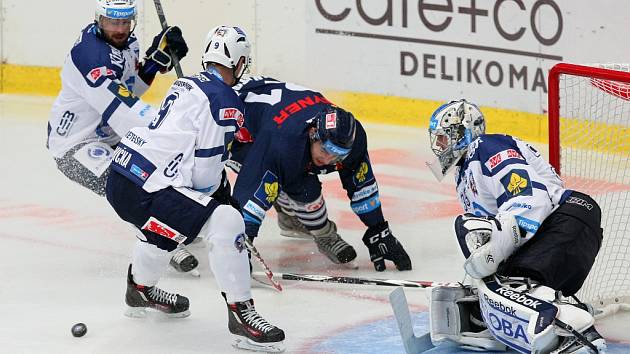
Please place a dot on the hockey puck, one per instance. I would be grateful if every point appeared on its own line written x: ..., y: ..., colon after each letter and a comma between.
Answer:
x: 79, y: 330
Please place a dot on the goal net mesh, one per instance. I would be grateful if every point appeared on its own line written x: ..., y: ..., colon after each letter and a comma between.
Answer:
x: 594, y: 147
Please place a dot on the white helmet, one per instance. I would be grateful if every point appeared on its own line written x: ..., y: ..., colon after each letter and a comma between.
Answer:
x: 226, y: 46
x: 116, y: 9
x: 452, y: 128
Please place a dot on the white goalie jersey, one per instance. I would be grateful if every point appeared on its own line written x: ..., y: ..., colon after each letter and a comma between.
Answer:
x: 502, y: 174
x: 187, y: 143
x: 98, y: 99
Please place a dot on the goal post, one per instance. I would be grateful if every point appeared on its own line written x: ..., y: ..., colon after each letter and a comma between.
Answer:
x: 589, y: 145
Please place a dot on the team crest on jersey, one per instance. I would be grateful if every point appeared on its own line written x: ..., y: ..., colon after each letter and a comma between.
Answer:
x: 363, y: 174
x: 97, y: 73
x: 123, y: 94
x: 268, y: 189
x: 517, y: 182
x: 231, y: 113
x: 157, y: 227
x: 98, y: 152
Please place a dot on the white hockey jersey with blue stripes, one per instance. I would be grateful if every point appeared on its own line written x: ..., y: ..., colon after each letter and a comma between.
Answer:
x: 502, y: 174
x: 187, y: 143
x: 99, y: 94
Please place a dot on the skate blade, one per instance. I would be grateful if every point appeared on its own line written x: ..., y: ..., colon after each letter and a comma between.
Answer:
x: 142, y: 312
x: 136, y: 312
x: 296, y: 235
x: 248, y: 344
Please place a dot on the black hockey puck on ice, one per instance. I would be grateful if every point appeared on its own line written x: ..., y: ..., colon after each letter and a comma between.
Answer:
x: 79, y: 330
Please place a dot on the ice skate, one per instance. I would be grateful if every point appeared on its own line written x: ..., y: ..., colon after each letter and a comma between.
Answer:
x: 138, y: 298
x: 183, y: 261
x: 251, y: 331
x: 333, y: 246
x: 290, y: 226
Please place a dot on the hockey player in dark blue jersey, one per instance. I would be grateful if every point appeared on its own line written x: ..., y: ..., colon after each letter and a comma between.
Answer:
x: 295, y: 134
x: 528, y: 242
x: 101, y: 82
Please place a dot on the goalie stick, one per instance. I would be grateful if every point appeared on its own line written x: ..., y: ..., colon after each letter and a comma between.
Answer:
x: 412, y: 344
x: 361, y: 280
x: 160, y: 13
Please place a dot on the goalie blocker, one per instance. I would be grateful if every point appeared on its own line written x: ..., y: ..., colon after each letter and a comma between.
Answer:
x: 511, y: 313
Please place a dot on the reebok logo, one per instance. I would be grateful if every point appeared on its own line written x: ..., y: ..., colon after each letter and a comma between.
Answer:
x: 499, y: 306
x: 519, y: 298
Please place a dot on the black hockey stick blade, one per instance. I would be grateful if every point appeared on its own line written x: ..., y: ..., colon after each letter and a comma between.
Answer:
x: 361, y: 280
x: 162, y: 18
x: 412, y: 344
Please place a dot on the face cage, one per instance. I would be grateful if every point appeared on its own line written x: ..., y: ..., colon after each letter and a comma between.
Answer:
x: 442, y: 144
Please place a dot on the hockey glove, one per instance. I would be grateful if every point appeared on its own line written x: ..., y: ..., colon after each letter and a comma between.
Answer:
x: 490, y: 240
x: 158, y: 56
x: 383, y: 245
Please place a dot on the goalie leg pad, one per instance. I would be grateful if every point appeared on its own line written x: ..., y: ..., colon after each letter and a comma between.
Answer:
x: 454, y: 318
x: 526, y: 318
x: 516, y: 318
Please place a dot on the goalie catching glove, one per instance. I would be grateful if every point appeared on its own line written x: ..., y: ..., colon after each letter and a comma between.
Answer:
x: 383, y: 245
x: 158, y: 56
x: 486, y: 241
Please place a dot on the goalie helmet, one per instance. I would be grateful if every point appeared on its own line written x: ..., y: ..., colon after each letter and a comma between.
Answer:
x: 336, y: 129
x: 452, y: 128
x: 116, y: 9
x: 226, y: 45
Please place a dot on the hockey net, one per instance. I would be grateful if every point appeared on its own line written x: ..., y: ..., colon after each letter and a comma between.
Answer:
x: 589, y: 145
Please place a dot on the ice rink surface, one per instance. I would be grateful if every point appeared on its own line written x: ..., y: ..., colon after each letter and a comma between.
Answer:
x: 65, y: 255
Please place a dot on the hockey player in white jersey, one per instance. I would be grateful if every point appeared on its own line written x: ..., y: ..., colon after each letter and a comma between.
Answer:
x: 528, y: 241
x: 102, y: 79
x: 168, y: 179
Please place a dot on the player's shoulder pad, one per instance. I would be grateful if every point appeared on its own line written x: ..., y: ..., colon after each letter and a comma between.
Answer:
x: 359, y: 148
x: 96, y: 59
x: 257, y: 85
x: 493, y: 152
x: 224, y: 103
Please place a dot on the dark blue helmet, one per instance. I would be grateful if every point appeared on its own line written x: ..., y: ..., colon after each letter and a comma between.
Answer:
x: 335, y: 129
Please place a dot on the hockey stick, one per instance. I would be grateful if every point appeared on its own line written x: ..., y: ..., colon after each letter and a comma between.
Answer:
x: 362, y: 280
x: 412, y: 344
x: 160, y: 13
x: 268, y: 273
x: 579, y: 336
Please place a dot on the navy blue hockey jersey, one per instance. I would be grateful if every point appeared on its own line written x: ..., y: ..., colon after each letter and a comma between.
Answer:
x: 278, y: 115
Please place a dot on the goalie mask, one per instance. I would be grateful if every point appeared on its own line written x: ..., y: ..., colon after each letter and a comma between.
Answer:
x: 452, y: 128
x: 115, y: 20
x: 227, y: 46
